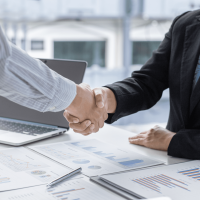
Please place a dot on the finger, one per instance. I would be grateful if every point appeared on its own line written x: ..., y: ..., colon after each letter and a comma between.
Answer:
x: 70, y: 118
x: 101, y: 123
x: 96, y: 128
x: 138, y: 141
x: 99, y: 97
x: 105, y: 116
x: 145, y: 132
x: 85, y: 85
x: 87, y: 131
x: 137, y: 137
x: 80, y: 126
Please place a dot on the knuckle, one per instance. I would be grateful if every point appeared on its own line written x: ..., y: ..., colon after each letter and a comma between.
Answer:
x: 151, y: 130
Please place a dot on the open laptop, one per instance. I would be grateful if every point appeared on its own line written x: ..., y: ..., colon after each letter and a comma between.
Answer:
x: 20, y: 125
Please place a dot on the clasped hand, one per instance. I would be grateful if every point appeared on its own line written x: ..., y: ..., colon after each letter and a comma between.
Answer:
x: 87, y: 112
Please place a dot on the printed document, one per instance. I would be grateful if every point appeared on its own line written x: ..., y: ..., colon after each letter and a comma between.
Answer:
x: 95, y: 157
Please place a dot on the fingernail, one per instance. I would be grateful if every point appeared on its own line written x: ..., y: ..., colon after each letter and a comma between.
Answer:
x: 75, y: 120
x: 92, y: 127
x: 88, y: 123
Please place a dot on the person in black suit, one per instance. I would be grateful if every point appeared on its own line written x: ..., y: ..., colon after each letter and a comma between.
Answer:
x: 174, y: 65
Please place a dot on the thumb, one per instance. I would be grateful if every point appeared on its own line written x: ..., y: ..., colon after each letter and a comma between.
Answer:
x: 99, y: 97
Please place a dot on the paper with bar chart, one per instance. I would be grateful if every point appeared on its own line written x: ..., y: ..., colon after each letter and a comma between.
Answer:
x: 21, y: 167
x: 179, y: 181
x: 95, y: 157
x: 77, y: 189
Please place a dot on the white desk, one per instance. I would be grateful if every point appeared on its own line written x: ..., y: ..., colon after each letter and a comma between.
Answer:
x: 111, y: 135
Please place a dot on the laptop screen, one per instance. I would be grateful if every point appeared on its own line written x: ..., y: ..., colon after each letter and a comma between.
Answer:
x: 73, y: 70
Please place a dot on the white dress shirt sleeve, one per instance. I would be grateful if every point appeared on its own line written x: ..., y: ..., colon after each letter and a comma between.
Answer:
x: 30, y: 83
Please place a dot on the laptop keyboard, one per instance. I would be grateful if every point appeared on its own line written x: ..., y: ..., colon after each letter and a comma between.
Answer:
x: 24, y: 128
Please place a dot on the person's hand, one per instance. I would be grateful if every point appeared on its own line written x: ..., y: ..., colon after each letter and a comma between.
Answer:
x: 156, y: 138
x: 105, y: 99
x: 84, y: 108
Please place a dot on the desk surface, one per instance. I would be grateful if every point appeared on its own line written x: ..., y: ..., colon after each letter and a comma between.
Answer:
x: 111, y: 135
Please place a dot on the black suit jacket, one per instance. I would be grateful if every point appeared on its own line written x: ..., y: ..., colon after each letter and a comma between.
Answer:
x: 171, y: 66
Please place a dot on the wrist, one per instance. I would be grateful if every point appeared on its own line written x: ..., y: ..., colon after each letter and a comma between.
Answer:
x: 109, y: 100
x: 168, y: 139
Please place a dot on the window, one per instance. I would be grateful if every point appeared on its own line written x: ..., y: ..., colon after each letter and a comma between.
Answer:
x: 91, y: 51
x: 142, y: 51
x: 37, y: 45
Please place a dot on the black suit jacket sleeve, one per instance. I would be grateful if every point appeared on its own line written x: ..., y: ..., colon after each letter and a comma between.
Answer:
x: 185, y: 144
x: 144, y: 88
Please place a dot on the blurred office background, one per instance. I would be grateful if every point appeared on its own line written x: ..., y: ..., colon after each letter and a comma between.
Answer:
x: 115, y: 37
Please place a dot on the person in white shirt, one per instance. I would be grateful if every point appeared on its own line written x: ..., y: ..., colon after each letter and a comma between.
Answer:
x: 29, y: 82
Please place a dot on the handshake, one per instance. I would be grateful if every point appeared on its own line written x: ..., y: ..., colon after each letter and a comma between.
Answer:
x: 90, y: 109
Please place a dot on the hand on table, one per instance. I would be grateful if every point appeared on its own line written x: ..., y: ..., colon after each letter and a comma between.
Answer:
x: 156, y: 138
x: 105, y: 102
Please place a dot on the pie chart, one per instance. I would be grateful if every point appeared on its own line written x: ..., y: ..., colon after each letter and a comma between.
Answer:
x: 94, y: 167
x: 81, y: 161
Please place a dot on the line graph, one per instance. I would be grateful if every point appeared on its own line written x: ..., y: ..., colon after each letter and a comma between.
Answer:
x: 19, y: 164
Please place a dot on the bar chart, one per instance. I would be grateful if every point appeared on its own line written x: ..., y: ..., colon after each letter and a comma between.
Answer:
x: 192, y: 173
x: 122, y: 159
x: 161, y: 180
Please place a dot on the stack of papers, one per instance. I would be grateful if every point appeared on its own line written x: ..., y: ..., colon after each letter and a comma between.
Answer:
x: 179, y: 181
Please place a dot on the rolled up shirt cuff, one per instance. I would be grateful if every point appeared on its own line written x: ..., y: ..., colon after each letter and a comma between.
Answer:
x: 64, y: 95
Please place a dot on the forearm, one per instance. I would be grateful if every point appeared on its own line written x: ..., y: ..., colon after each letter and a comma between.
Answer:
x: 30, y: 83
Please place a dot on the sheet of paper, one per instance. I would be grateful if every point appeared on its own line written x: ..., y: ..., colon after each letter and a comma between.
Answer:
x: 179, y: 181
x: 21, y: 167
x: 95, y: 157
x: 77, y: 189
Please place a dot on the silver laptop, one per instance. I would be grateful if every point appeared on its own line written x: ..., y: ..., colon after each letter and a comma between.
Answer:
x: 20, y: 125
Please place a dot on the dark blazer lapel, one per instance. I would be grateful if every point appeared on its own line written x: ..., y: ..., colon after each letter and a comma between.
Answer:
x: 188, y: 66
